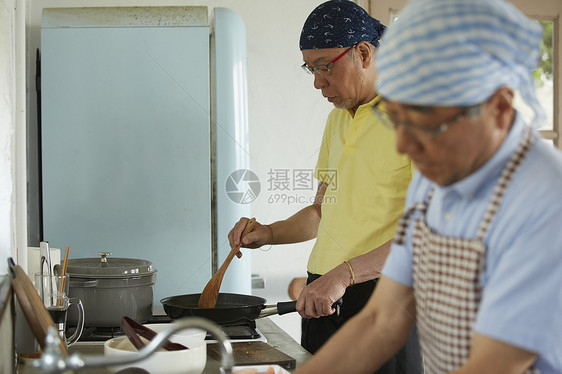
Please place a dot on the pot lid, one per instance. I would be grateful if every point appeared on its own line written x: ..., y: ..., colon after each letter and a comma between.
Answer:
x: 105, y: 267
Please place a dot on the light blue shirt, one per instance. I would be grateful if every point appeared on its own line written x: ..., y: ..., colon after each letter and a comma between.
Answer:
x: 522, y: 298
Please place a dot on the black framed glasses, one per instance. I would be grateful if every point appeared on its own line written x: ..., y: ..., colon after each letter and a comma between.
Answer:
x: 423, y: 131
x: 323, y: 69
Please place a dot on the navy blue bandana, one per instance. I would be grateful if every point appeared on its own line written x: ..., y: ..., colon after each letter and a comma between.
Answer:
x: 339, y: 24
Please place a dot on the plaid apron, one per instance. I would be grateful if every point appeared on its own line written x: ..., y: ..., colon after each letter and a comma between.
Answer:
x: 447, y: 273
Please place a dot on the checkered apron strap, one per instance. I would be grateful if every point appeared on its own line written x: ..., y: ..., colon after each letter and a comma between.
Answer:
x: 405, y: 219
x: 503, y: 182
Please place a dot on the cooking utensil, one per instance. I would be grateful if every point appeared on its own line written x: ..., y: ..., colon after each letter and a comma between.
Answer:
x: 62, y: 285
x: 113, y: 289
x: 37, y: 316
x: 65, y: 260
x: 45, y: 254
x: 132, y: 327
x: 131, y: 334
x: 58, y: 304
x: 64, y: 266
x: 210, y: 293
x: 229, y: 309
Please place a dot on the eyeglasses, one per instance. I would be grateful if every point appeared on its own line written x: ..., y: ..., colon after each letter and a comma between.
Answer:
x: 322, y: 69
x: 427, y: 132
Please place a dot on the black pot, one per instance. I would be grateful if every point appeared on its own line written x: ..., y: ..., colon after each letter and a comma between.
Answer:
x: 111, y: 288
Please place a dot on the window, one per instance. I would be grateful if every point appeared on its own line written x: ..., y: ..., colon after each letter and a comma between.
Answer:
x: 548, y: 79
x: 544, y: 84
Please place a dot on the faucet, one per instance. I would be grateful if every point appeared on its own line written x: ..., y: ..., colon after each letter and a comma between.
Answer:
x: 54, y: 361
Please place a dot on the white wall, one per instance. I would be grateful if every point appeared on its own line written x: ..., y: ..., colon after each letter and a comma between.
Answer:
x: 8, y: 175
x: 7, y: 132
x: 286, y: 117
x: 12, y: 131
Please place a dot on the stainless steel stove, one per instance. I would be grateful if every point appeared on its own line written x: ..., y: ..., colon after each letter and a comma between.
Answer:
x: 246, y: 331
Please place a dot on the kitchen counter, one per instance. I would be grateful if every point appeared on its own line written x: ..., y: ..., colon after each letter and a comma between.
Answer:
x: 275, y: 336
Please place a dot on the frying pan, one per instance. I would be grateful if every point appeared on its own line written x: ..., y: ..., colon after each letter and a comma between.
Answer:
x: 230, y: 309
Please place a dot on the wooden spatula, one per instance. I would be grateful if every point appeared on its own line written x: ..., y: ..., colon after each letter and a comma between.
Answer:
x: 35, y: 312
x: 208, y: 298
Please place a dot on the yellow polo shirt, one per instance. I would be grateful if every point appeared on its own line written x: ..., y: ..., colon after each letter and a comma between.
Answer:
x: 367, y: 182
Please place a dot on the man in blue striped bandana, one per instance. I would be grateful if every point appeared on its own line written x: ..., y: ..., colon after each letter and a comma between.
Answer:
x: 477, y: 254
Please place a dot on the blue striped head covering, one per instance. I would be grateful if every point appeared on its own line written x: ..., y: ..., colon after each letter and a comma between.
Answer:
x: 339, y: 24
x: 458, y: 53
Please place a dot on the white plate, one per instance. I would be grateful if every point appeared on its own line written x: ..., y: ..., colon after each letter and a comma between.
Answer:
x: 259, y: 369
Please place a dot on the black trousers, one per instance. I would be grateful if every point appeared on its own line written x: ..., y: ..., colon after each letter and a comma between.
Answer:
x: 316, y: 331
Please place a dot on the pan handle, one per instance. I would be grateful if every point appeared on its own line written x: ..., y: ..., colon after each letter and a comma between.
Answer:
x: 290, y: 307
x: 286, y: 307
x: 279, y: 308
x: 337, y: 306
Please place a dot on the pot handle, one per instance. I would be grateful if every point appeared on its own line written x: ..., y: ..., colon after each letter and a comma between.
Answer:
x: 86, y: 283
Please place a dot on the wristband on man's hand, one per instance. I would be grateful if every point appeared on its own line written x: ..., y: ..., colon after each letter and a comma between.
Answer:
x: 352, y: 273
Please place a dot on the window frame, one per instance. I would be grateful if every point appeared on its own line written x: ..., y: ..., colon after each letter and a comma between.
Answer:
x: 549, y: 10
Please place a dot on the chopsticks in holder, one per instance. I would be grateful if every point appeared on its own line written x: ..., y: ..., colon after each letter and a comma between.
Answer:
x: 62, y: 283
x: 65, y: 261
x: 33, y: 309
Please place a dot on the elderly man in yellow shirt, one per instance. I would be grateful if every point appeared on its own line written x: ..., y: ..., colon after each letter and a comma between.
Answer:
x: 362, y: 181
